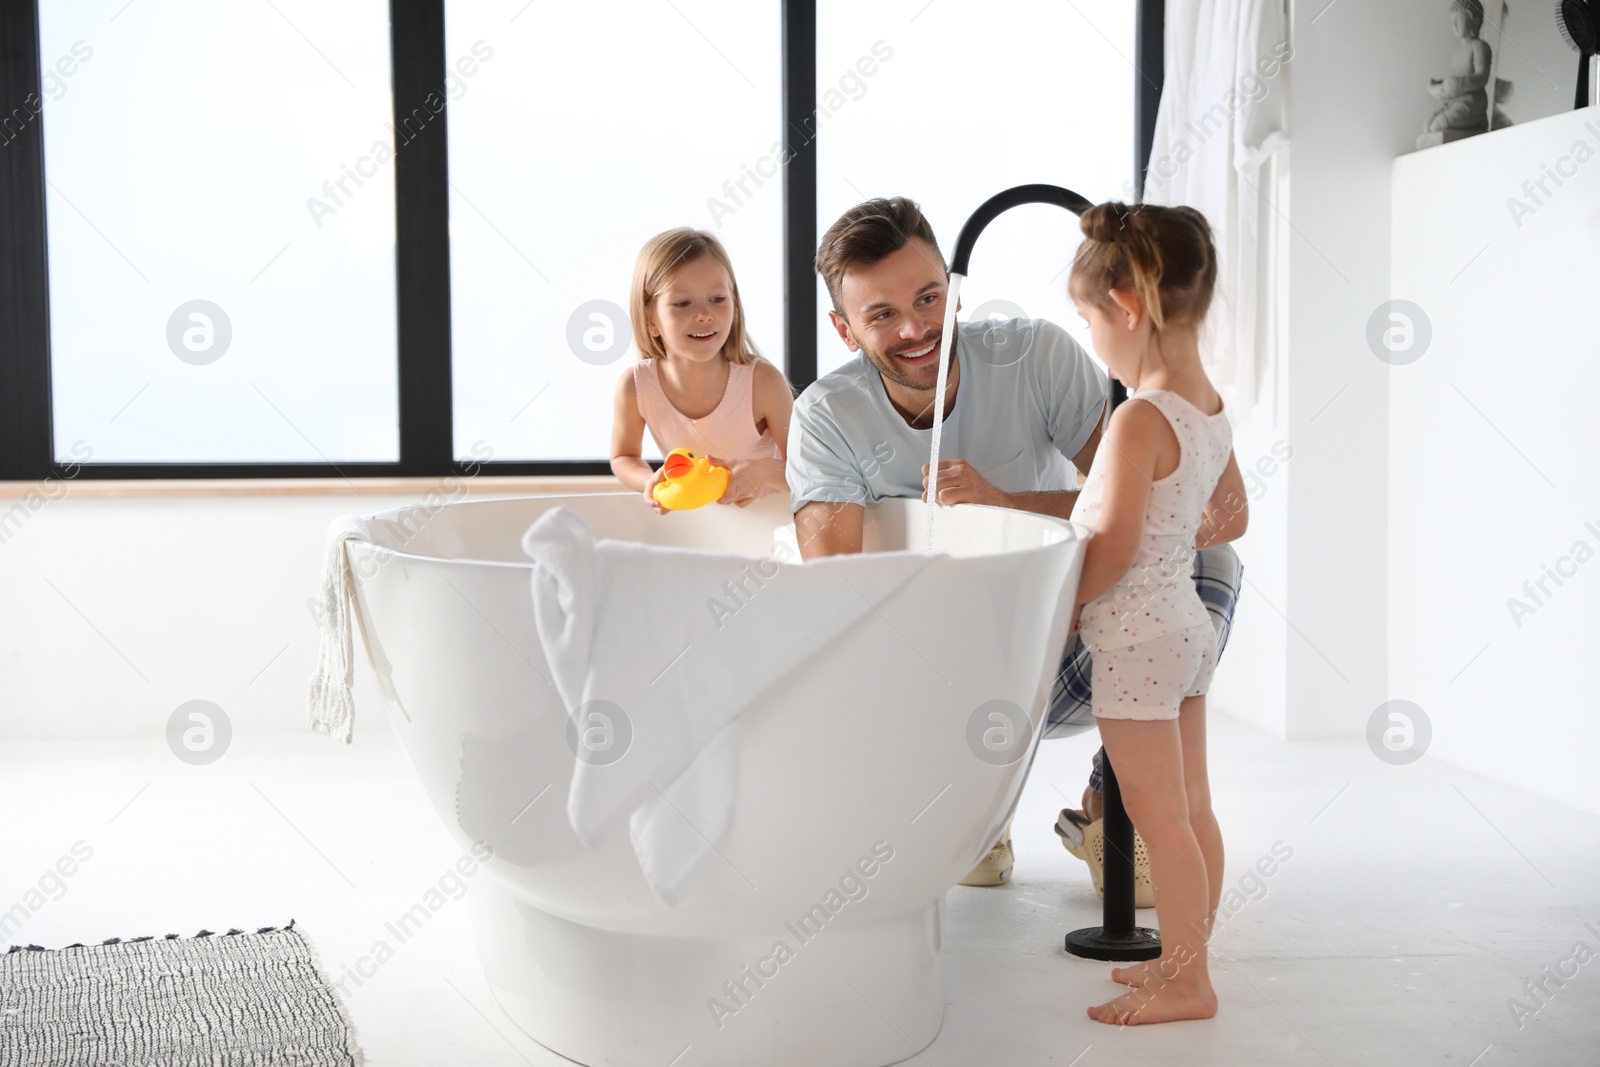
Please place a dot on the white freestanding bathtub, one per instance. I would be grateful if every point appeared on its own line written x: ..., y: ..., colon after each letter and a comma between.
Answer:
x: 870, y: 781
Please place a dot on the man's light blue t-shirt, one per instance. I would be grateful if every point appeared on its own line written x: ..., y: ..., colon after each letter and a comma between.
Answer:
x: 1028, y: 399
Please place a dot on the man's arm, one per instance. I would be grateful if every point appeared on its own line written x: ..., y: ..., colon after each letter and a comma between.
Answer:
x: 1074, y: 396
x: 1085, y: 457
x: 826, y: 482
x: 1060, y: 504
x: 959, y: 483
x: 828, y: 528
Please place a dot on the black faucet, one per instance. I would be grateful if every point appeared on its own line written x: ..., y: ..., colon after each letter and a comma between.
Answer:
x: 1004, y: 201
x: 1117, y: 938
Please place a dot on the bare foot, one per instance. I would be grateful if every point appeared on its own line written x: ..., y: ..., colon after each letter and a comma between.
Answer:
x: 1134, y: 974
x: 1159, y: 1002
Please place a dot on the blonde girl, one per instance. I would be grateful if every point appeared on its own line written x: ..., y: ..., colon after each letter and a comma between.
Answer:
x: 1164, y: 482
x: 699, y: 383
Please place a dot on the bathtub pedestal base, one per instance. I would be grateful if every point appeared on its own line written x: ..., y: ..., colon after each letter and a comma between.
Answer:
x: 845, y: 995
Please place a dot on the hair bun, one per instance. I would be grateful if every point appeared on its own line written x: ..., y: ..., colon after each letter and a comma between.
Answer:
x: 1116, y: 223
x: 1165, y: 254
x: 1105, y: 222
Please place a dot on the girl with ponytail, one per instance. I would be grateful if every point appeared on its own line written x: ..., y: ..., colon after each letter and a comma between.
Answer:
x: 1164, y: 482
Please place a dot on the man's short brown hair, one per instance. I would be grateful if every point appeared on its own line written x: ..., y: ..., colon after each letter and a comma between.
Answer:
x: 867, y: 233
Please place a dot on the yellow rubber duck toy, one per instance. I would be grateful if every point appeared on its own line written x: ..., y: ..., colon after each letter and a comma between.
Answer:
x: 689, y: 481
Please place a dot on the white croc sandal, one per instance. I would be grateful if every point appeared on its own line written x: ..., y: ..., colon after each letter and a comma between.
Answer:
x: 1087, y: 841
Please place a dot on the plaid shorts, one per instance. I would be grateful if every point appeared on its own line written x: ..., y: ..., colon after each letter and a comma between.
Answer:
x: 1217, y: 577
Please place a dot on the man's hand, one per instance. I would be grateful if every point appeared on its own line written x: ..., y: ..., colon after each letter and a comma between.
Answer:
x: 959, y: 483
x: 741, y: 489
x: 749, y: 478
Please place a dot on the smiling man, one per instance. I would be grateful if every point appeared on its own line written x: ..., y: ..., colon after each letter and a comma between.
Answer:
x: 1023, y: 407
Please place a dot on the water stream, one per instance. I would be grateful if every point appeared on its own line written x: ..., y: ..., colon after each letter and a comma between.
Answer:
x: 947, y: 344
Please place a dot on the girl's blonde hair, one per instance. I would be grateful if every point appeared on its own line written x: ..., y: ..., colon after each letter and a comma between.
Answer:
x: 1164, y: 254
x: 659, y: 260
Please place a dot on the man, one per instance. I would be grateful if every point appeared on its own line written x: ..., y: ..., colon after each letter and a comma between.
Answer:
x: 1024, y: 406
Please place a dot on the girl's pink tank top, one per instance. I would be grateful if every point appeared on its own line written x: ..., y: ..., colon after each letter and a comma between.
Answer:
x: 728, y: 433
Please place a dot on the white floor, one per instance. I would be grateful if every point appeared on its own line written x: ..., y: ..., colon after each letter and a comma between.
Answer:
x: 1416, y: 903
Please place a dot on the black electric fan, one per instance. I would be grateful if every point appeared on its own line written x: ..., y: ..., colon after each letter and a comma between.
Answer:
x: 1579, y: 22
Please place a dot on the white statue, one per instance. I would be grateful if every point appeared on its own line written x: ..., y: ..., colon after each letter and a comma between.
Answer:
x: 1463, y: 95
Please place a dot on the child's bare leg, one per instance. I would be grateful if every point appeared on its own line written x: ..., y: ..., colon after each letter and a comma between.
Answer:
x: 1148, y: 757
x: 1197, y: 786
x: 1202, y: 820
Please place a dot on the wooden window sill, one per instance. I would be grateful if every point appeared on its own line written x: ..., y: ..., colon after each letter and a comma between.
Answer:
x: 483, y: 485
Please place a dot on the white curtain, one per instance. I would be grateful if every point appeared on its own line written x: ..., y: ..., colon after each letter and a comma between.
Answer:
x: 1223, y: 117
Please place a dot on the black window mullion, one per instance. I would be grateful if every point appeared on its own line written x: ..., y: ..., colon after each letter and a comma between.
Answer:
x: 25, y: 411
x: 422, y: 235
x: 1149, y: 74
x: 800, y: 190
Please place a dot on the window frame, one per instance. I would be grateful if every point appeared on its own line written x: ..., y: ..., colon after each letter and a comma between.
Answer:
x: 422, y: 260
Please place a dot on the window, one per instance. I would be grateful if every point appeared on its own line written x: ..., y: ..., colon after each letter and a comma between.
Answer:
x: 205, y: 267
x: 221, y: 231
x: 949, y: 109
x: 582, y: 131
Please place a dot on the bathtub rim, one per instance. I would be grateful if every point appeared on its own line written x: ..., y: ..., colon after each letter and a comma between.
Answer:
x: 1075, y: 531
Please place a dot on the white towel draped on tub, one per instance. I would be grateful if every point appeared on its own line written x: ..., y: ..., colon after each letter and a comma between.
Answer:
x: 330, y: 707
x: 636, y: 627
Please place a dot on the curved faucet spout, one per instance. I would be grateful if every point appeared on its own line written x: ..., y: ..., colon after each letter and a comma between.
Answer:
x: 1004, y: 201
x: 987, y: 212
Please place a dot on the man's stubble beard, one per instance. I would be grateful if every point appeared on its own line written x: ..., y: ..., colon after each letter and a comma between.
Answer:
x: 885, y: 365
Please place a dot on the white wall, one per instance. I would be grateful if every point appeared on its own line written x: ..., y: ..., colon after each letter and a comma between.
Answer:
x: 1493, y: 439
x: 1380, y: 561
x: 1310, y: 642
x: 1254, y: 685
x: 120, y: 609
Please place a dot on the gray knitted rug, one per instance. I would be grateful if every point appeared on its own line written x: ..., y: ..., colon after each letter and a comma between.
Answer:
x: 221, y: 1000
